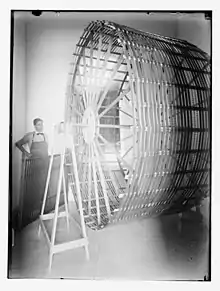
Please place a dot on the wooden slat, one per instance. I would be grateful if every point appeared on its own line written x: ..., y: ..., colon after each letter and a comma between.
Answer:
x: 70, y: 245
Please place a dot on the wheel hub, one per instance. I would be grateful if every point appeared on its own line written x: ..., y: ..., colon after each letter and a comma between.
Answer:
x: 89, y: 121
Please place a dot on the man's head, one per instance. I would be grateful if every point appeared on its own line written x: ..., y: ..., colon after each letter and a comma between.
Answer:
x: 38, y: 124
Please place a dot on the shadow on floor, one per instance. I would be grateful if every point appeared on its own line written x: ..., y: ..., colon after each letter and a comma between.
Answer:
x: 187, y: 243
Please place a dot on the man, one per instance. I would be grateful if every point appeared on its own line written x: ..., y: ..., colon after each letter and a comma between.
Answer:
x: 36, y: 141
x: 35, y: 171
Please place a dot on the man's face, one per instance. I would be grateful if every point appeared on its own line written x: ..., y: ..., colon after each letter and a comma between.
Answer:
x: 39, y: 126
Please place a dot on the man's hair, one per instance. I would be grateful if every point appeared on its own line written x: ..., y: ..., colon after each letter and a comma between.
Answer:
x: 36, y: 120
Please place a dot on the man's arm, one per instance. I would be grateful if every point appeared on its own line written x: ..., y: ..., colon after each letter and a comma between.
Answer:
x: 19, y: 144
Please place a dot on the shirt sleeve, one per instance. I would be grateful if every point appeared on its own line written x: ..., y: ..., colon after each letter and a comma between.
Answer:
x: 25, y: 139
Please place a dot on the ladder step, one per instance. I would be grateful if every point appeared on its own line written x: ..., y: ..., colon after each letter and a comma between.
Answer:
x: 51, y: 215
x: 70, y: 245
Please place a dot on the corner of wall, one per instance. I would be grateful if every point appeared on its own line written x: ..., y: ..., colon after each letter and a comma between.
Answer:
x: 25, y: 52
x: 18, y: 105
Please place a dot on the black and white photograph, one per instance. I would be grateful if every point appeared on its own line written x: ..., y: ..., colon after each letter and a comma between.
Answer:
x: 110, y: 145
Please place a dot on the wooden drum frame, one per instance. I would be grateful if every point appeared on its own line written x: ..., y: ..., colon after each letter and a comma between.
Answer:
x: 138, y: 105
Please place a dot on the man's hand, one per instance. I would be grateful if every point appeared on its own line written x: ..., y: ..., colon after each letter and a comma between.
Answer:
x: 28, y: 155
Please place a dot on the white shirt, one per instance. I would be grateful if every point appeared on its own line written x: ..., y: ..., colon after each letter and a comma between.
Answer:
x: 39, y: 136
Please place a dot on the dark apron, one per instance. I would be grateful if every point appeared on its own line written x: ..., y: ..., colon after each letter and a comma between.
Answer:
x: 35, y: 182
x: 39, y: 163
x: 39, y: 149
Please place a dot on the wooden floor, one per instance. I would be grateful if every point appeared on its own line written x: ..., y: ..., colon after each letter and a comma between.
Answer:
x: 149, y: 249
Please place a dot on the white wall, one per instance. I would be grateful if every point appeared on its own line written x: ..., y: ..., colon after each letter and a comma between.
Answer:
x: 19, y: 104
x: 48, y: 56
x: 195, y: 29
x: 51, y: 40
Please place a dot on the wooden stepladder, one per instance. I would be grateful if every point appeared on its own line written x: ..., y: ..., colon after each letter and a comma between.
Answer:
x: 56, y: 214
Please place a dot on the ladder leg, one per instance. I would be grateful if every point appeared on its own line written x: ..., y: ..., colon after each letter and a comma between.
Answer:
x: 79, y: 200
x: 46, y: 192
x: 39, y: 230
x: 53, y: 234
x: 87, y: 252
x: 66, y: 203
x: 50, y: 260
x: 47, y: 185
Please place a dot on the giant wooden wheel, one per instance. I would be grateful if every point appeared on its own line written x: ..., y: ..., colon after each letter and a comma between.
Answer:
x: 138, y: 104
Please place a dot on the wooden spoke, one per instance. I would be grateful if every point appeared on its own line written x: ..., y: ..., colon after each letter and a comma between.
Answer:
x: 82, y: 87
x: 81, y: 104
x: 114, y: 102
x: 82, y: 158
x: 104, y: 140
x: 81, y: 144
x: 115, y: 151
x: 102, y: 155
x: 79, y: 137
x: 98, y: 146
x: 77, y: 111
x: 95, y: 186
x: 98, y: 56
x: 98, y: 71
x: 127, y: 152
x: 91, y: 58
x: 85, y: 76
x: 107, y: 55
x: 126, y: 113
x: 102, y: 179
x: 119, y: 61
x: 91, y: 71
x: 80, y: 125
x: 124, y: 162
x: 89, y: 180
x: 125, y: 138
x: 79, y: 99
x: 85, y: 173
